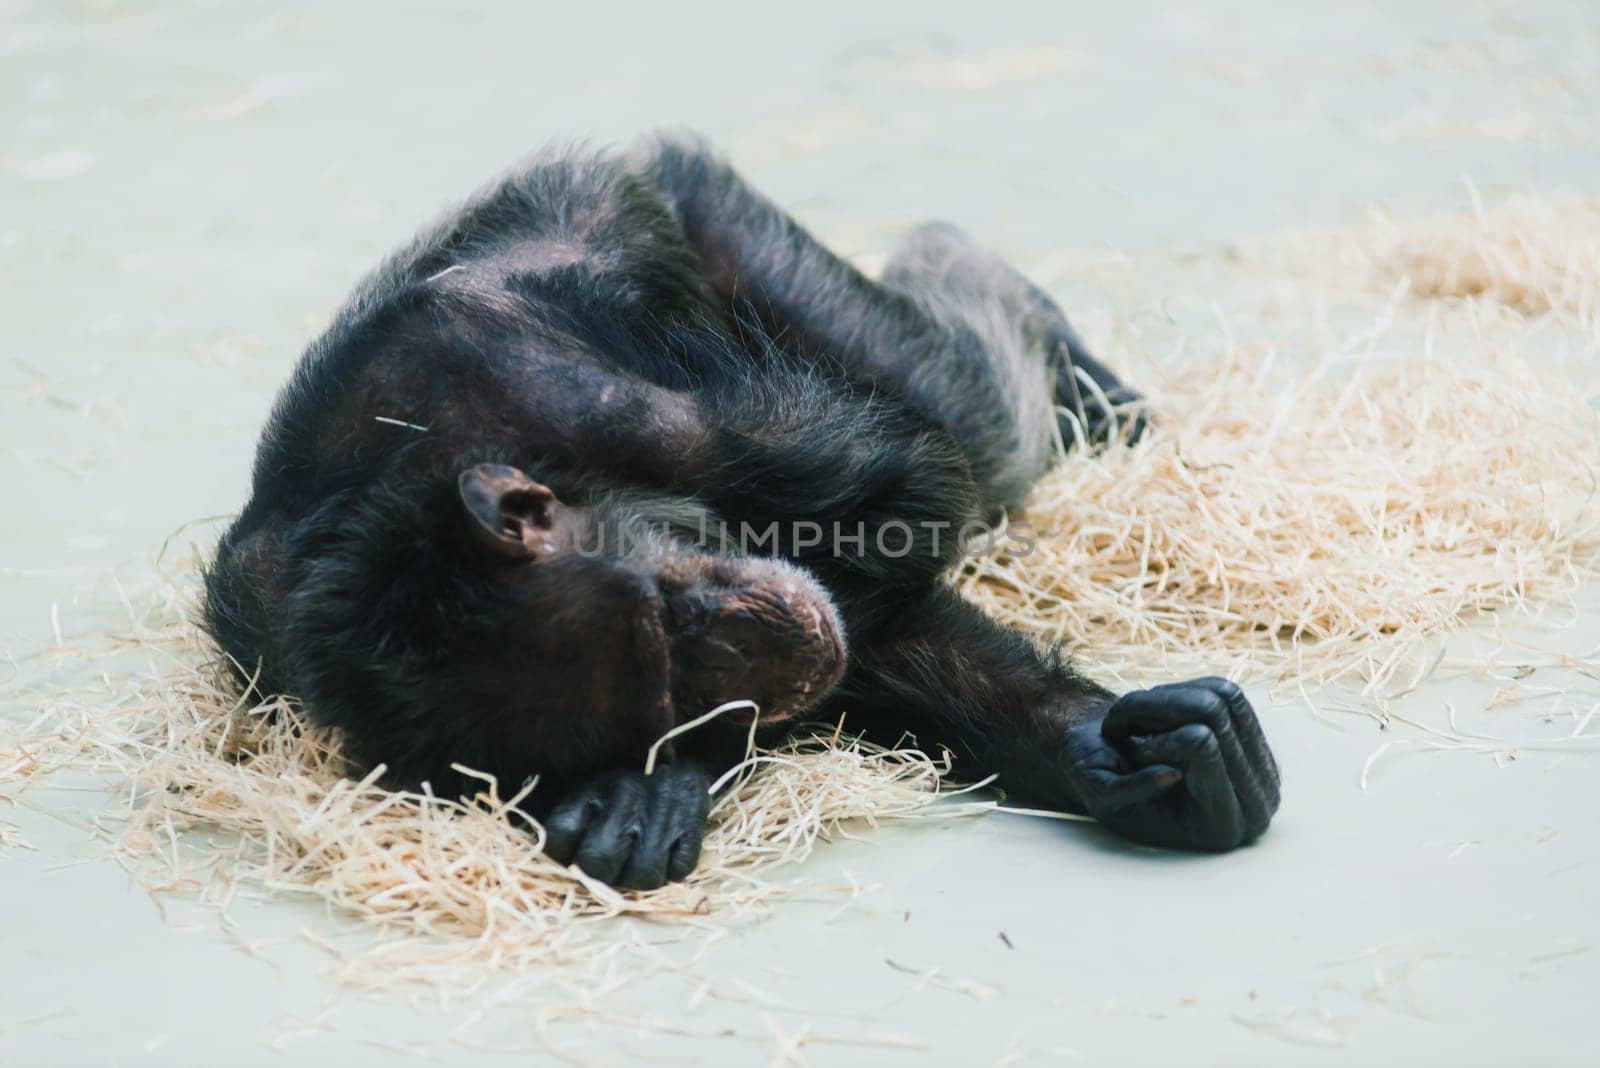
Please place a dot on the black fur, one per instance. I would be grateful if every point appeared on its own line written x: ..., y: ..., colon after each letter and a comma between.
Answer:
x: 667, y: 353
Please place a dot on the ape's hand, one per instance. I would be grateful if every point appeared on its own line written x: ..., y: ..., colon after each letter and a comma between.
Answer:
x: 632, y: 830
x: 1183, y: 766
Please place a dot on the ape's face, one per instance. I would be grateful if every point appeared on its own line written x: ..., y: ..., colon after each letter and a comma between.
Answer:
x: 631, y: 634
x: 471, y: 617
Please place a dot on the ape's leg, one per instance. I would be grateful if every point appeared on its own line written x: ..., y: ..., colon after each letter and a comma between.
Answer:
x: 1184, y: 765
x: 755, y: 254
x: 960, y: 281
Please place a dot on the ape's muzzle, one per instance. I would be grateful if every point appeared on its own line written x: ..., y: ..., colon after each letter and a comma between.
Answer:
x: 754, y: 630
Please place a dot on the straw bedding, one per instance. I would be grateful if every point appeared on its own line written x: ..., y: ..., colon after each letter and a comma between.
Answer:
x: 1290, y: 522
x: 1317, y: 526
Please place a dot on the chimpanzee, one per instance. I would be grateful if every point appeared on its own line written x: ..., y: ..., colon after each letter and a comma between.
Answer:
x: 618, y: 441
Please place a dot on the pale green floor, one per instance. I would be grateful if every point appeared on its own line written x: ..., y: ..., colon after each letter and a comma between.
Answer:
x: 186, y: 191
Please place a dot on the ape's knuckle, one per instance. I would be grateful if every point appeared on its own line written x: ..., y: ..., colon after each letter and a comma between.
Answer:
x: 689, y: 794
x: 1212, y: 707
x: 558, y: 830
x: 1195, y: 737
x: 597, y: 861
x: 684, y: 863
x: 1228, y: 690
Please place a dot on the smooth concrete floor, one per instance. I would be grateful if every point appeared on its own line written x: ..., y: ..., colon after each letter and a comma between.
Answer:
x: 187, y: 190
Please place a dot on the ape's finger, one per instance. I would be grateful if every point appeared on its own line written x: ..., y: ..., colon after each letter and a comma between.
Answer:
x: 564, y: 827
x: 659, y: 815
x: 1133, y: 415
x: 1253, y: 771
x: 610, y: 839
x: 685, y: 852
x: 1109, y: 791
x: 646, y: 866
x: 690, y: 828
x: 1161, y: 709
x: 696, y: 801
x: 1216, y: 818
x: 1247, y: 726
x: 1175, y: 705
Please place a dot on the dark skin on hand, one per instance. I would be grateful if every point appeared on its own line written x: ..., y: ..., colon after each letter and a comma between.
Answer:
x: 618, y: 442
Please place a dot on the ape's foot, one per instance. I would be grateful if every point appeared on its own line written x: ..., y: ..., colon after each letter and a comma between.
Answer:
x: 1184, y: 766
x: 632, y: 830
x: 1127, y: 419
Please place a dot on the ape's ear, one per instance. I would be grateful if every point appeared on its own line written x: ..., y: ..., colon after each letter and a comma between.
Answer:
x: 509, y: 512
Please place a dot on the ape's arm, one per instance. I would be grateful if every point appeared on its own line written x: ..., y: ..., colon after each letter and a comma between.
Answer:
x: 778, y: 445
x: 1181, y: 766
x: 813, y: 474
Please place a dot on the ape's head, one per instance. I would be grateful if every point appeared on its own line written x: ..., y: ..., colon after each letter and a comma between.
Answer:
x: 470, y: 616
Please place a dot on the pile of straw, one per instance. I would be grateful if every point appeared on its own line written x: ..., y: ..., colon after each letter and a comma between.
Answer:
x: 1533, y: 254
x: 294, y: 817
x: 1314, y: 523
x: 1317, y: 525
x: 1325, y: 522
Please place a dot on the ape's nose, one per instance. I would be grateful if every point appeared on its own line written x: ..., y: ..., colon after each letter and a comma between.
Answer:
x: 771, y: 641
